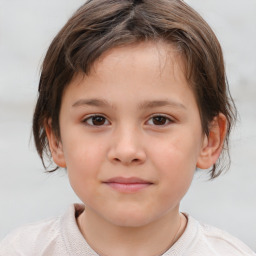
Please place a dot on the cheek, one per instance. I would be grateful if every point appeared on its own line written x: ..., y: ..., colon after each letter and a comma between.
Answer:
x: 82, y: 170
x: 82, y: 152
x: 175, y: 161
x: 83, y: 158
x: 178, y: 154
x: 177, y: 171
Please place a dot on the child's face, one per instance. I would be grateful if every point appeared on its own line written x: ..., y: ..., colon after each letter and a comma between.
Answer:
x: 131, y: 134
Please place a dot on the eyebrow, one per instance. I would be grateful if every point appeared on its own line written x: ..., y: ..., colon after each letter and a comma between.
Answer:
x: 144, y: 105
x: 92, y: 102
x: 161, y: 103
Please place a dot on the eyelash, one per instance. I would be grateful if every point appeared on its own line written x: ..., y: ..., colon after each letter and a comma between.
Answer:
x: 86, y: 120
x: 167, y: 120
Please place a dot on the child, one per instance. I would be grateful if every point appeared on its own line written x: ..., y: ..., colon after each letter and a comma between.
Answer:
x: 132, y: 99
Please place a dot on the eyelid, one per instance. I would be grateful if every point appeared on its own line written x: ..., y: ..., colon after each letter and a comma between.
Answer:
x: 170, y: 119
x: 86, y: 118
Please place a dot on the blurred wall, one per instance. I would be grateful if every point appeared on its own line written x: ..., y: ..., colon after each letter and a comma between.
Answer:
x: 28, y: 194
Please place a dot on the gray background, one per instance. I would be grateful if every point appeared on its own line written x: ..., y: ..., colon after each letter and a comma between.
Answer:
x: 27, y: 194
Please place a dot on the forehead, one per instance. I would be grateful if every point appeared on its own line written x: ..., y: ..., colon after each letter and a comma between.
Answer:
x: 131, y: 74
x: 155, y: 54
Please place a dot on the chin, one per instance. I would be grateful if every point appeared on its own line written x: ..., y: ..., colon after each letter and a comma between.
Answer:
x: 131, y: 219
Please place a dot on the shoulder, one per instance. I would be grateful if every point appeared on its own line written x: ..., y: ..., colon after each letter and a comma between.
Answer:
x: 219, y: 241
x: 56, y: 236
x: 31, y: 238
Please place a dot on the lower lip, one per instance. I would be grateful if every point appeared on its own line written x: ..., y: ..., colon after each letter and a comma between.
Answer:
x: 128, y: 187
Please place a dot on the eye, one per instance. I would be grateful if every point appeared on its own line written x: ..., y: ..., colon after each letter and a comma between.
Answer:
x: 96, y: 120
x: 159, y: 120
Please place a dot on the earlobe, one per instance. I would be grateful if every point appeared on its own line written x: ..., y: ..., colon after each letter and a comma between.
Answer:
x: 213, y: 143
x: 55, y: 145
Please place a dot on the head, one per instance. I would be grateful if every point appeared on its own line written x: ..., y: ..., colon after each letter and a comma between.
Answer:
x: 102, y: 25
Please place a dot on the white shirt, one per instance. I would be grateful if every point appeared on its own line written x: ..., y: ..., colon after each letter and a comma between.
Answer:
x: 62, y: 237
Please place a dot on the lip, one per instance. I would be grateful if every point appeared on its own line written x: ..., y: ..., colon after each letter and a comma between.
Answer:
x: 127, y: 185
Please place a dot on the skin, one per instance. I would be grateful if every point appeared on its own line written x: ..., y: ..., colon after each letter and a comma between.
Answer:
x: 148, y: 128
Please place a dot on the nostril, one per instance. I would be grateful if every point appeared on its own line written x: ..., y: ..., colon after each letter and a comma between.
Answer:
x: 136, y: 160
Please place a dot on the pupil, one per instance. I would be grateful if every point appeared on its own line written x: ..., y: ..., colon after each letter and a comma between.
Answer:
x: 159, y: 120
x: 98, y: 120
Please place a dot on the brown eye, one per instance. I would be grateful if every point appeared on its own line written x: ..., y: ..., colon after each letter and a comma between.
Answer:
x: 159, y: 120
x: 96, y: 121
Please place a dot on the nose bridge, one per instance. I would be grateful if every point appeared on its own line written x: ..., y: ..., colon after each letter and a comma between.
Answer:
x: 127, y: 144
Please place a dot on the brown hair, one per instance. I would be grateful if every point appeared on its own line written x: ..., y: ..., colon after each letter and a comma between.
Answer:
x: 100, y: 25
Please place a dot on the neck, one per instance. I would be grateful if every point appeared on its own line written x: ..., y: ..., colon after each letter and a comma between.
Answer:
x: 152, y: 239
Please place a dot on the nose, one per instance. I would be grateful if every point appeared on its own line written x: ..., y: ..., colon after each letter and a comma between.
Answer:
x: 127, y: 147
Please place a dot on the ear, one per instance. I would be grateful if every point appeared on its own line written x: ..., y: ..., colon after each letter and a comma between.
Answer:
x: 55, y: 145
x: 213, y: 143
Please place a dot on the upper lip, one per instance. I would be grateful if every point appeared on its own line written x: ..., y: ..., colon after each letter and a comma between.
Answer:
x: 128, y: 180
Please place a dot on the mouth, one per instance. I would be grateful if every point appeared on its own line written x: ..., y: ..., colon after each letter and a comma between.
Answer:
x: 127, y: 185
